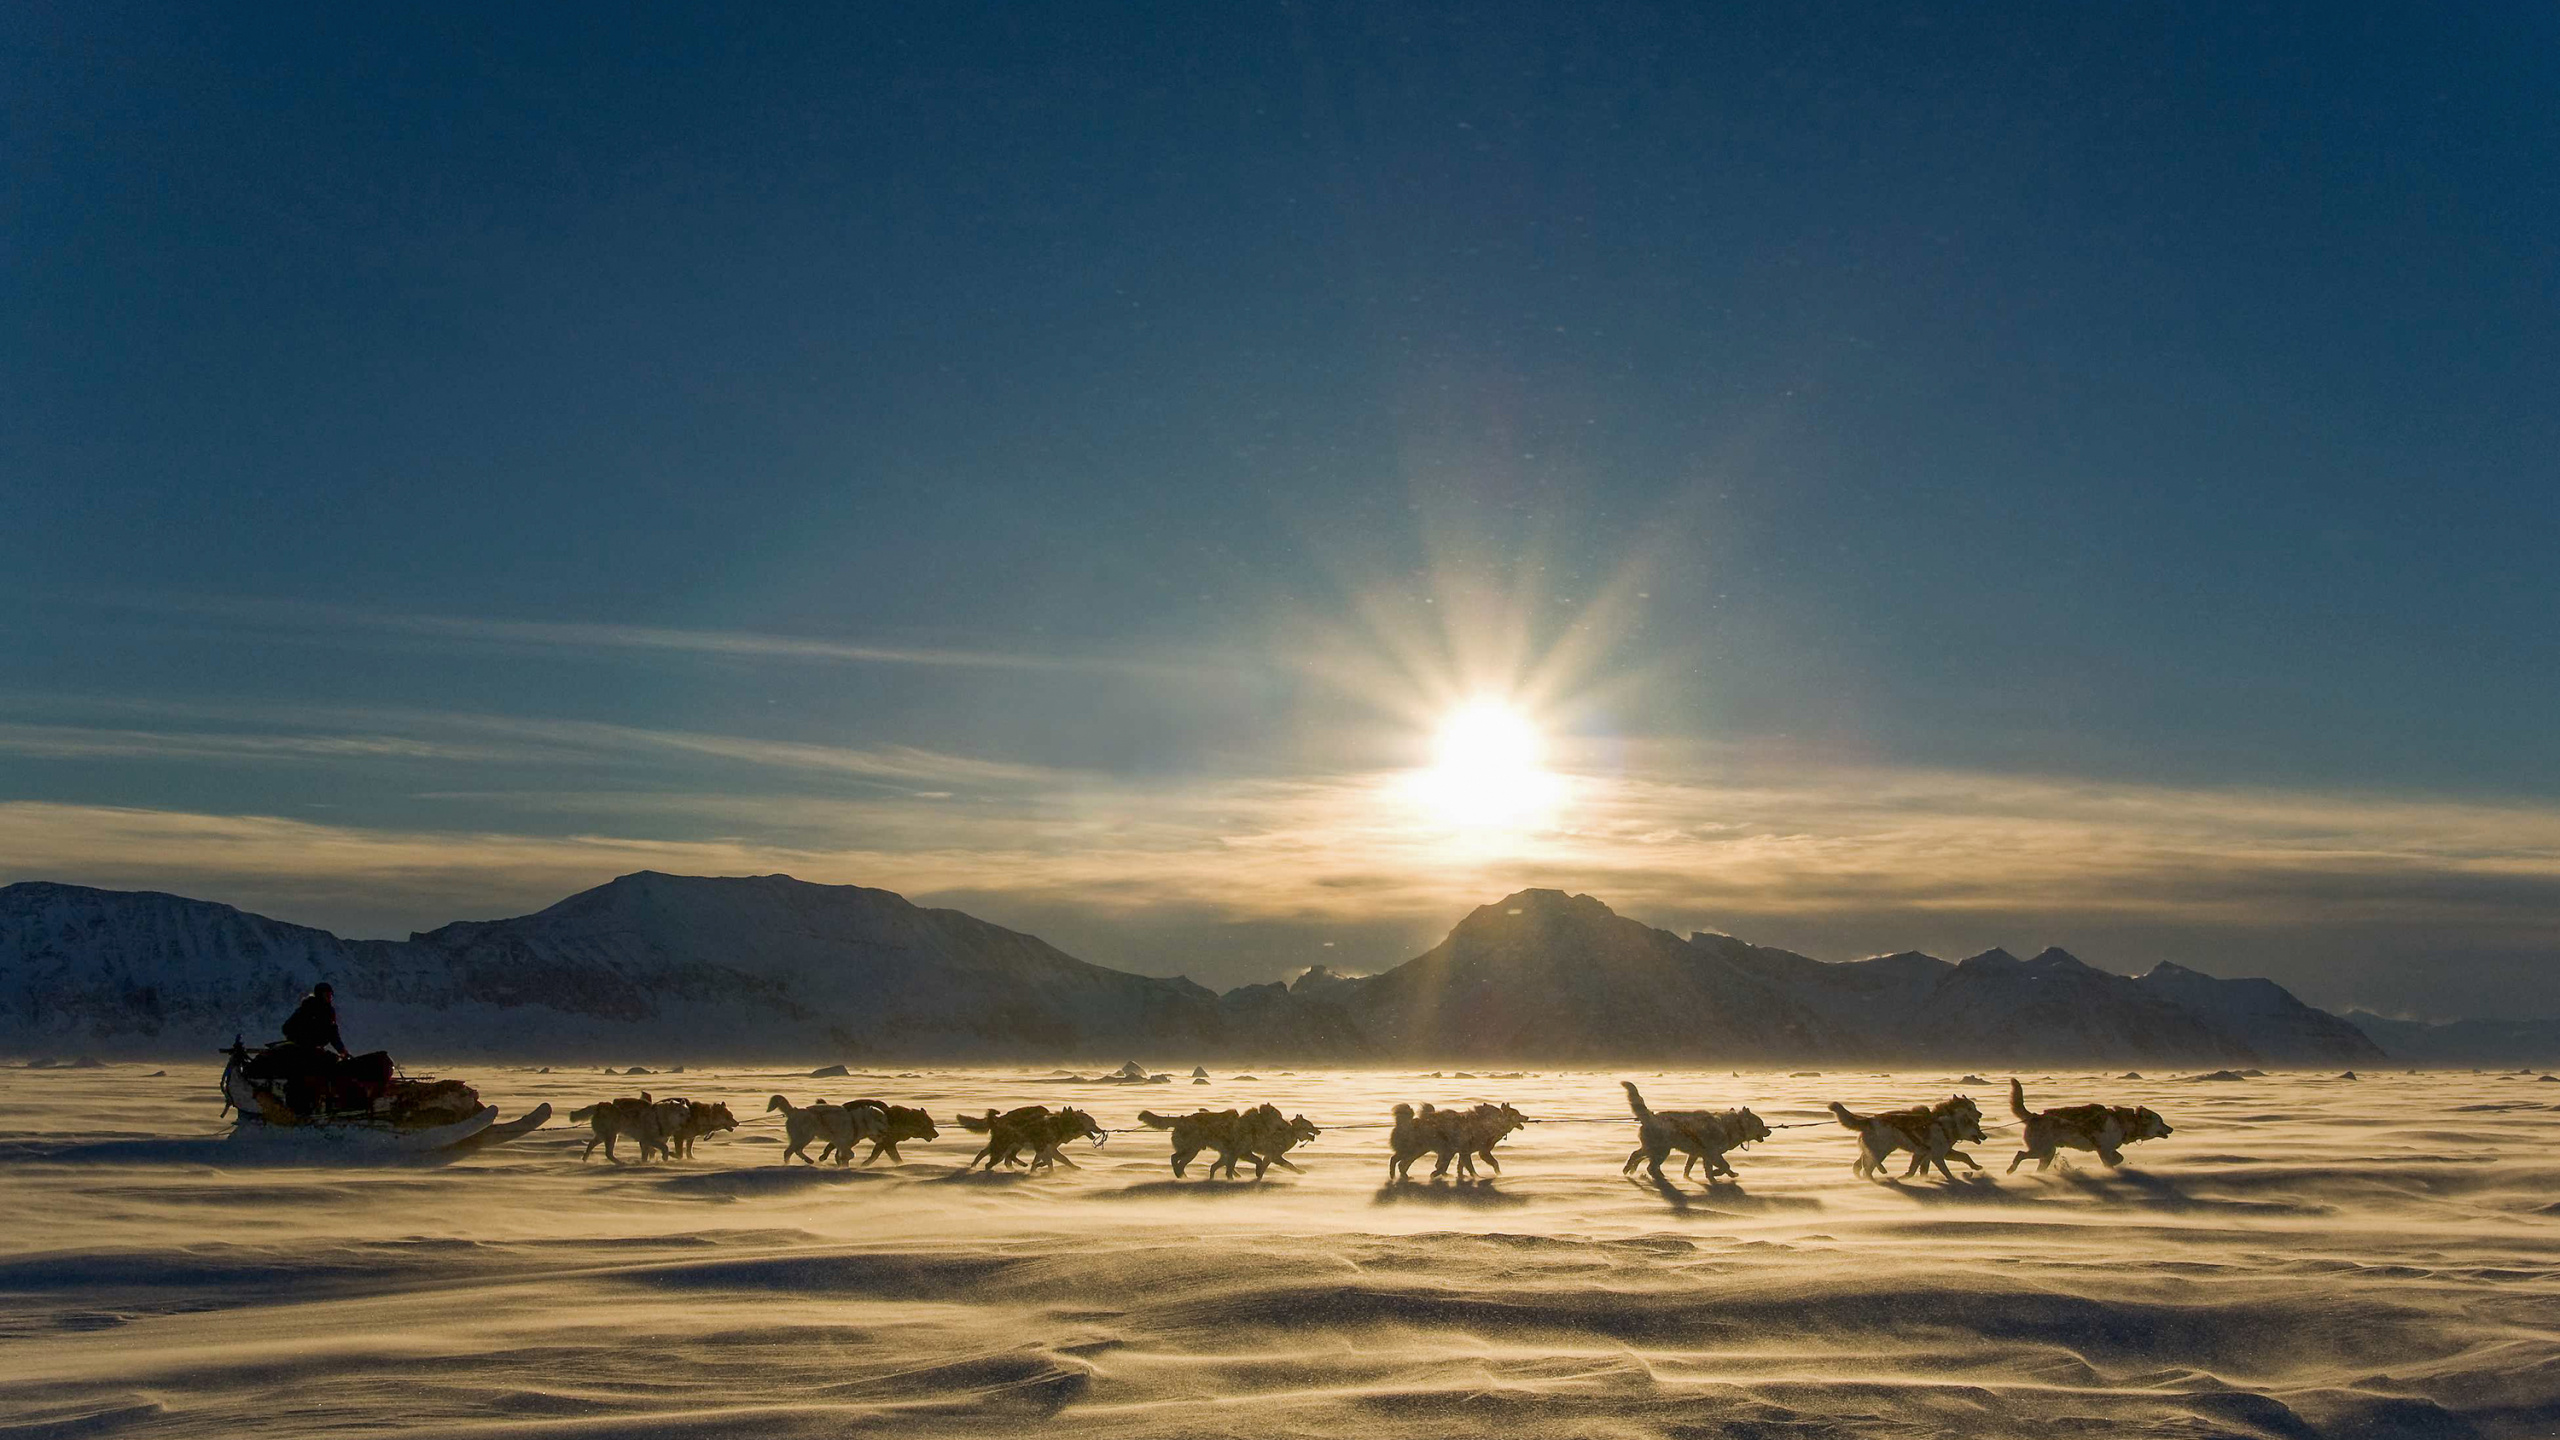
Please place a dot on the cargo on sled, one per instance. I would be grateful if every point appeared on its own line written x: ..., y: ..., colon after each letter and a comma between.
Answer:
x: 289, y: 1091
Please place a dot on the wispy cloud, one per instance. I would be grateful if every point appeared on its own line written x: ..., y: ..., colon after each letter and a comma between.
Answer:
x: 277, y: 735
x: 1874, y: 843
x: 326, y: 620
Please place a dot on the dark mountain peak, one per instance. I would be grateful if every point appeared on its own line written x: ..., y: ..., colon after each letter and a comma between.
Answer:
x: 1546, y: 904
x: 2172, y: 970
x: 2054, y: 957
x: 1994, y: 958
x: 1319, y: 980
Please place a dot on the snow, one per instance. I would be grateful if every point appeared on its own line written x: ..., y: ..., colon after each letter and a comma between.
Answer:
x: 2303, y: 1257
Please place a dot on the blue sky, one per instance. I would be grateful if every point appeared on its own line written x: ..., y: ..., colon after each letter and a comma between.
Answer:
x: 2082, y: 477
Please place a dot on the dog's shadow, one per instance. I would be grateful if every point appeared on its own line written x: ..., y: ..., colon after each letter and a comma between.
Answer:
x: 759, y: 1180
x: 1719, y: 1200
x: 972, y: 1175
x: 2157, y: 1192
x: 1479, y: 1194
x: 1974, y: 1187
x: 1153, y: 1189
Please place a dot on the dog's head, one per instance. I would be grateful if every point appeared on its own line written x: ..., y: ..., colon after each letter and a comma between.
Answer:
x: 908, y: 1123
x: 2147, y: 1124
x: 1304, y: 1128
x: 715, y: 1116
x: 1964, y: 1118
x: 1748, y: 1127
x: 1501, y: 1119
x: 1073, y: 1122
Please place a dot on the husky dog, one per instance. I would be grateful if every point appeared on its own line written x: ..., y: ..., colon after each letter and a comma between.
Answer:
x: 1930, y: 1132
x: 804, y: 1123
x: 708, y: 1119
x: 681, y: 1122
x: 1464, y: 1135
x: 899, y: 1122
x: 636, y: 1117
x: 1702, y: 1134
x: 1200, y: 1130
x: 1268, y: 1139
x: 1261, y: 1134
x: 863, y: 1120
x: 2107, y: 1129
x: 1035, y: 1126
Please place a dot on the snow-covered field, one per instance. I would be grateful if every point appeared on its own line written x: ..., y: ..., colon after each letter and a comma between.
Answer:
x: 2306, y: 1256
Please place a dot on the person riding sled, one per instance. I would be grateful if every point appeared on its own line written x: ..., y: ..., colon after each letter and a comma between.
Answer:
x: 319, y: 1072
x: 314, y: 1022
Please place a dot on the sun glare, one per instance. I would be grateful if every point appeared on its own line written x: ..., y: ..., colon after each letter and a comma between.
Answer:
x: 1486, y: 772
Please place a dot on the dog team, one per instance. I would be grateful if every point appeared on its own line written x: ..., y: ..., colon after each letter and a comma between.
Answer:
x: 667, y: 1129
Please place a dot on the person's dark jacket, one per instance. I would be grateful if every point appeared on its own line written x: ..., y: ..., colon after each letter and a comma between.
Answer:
x: 314, y: 1022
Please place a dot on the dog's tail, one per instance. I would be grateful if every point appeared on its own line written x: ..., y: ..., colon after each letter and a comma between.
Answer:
x: 1404, y: 1112
x: 584, y: 1114
x: 777, y: 1103
x: 1153, y: 1120
x: 1635, y: 1101
x: 980, y: 1123
x: 2018, y: 1099
x: 1847, y: 1116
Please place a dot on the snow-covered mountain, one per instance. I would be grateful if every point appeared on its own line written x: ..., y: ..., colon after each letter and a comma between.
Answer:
x: 1544, y: 975
x: 767, y: 967
x: 649, y: 964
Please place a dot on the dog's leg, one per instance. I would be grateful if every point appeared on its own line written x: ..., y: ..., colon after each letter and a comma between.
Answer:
x: 1284, y: 1163
x: 2111, y: 1158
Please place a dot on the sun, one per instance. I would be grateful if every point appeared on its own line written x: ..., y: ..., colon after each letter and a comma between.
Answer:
x: 1487, y: 772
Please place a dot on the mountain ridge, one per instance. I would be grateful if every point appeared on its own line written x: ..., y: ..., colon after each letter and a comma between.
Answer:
x: 760, y: 967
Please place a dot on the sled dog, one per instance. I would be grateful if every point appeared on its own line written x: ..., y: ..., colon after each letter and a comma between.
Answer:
x: 2106, y: 1129
x: 819, y: 1121
x: 899, y: 1122
x: 1261, y: 1134
x: 632, y: 1116
x: 1465, y: 1135
x: 1701, y: 1134
x: 1930, y: 1132
x: 1036, y: 1126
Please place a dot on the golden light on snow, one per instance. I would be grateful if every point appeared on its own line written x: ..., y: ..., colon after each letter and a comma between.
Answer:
x: 1487, y: 773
